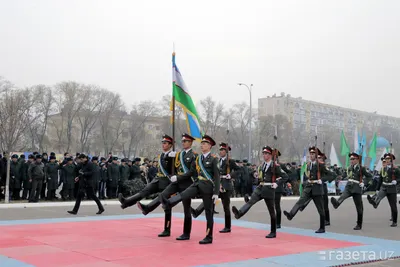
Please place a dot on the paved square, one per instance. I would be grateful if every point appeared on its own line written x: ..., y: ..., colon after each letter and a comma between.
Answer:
x: 131, y: 240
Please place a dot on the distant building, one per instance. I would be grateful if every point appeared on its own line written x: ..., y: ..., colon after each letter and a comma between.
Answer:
x: 312, y: 114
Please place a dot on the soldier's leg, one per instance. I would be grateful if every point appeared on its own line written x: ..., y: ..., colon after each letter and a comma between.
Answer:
x: 78, y: 200
x: 278, y: 209
x: 304, y: 198
x: 392, y: 199
x: 33, y: 190
x: 271, y: 209
x: 209, y: 210
x: 381, y: 195
x: 187, y: 222
x: 305, y: 205
x: 226, y: 203
x: 357, y: 198
x: 326, y: 209
x: 168, y: 192
x: 255, y: 197
x: 197, y: 211
x: 150, y: 188
x: 337, y: 202
x: 91, y: 195
x: 319, y: 204
x: 191, y: 192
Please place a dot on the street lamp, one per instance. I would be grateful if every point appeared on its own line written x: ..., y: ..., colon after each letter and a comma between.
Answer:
x: 250, y: 119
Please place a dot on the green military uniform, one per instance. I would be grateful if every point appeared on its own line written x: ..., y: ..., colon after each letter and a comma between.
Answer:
x: 36, y: 175
x: 51, y: 173
x: 356, y: 176
x: 271, y: 176
x: 68, y: 175
x: 15, y: 175
x: 114, y: 176
x: 180, y: 182
x: 205, y: 173
x: 388, y: 179
x: 226, y: 191
x: 26, y: 182
x: 313, y: 189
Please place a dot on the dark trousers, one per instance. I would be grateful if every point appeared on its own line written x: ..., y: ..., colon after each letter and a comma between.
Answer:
x: 90, y: 194
x: 111, y: 192
x: 193, y: 191
x: 67, y: 193
x: 26, y: 194
x: 36, y: 189
x: 51, y: 194
x: 171, y: 189
x: 16, y: 194
x: 43, y: 191
x: 278, y: 209
x: 392, y: 199
x: 357, y: 198
x: 326, y: 207
x: 102, y: 190
x: 226, y: 203
x: 319, y: 204
x: 256, y: 197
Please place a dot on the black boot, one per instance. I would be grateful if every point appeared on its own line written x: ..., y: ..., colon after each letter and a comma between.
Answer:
x: 199, y: 210
x: 206, y: 240
x: 246, y: 198
x: 146, y: 209
x: 335, y: 203
x: 130, y: 201
x: 171, y: 202
x: 321, y: 225
x: 194, y: 213
x: 243, y: 210
x: 183, y: 237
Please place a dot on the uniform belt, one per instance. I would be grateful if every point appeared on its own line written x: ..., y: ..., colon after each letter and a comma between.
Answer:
x: 264, y: 184
x: 201, y: 178
x: 313, y: 181
x: 387, y: 183
x: 160, y: 175
x: 354, y: 181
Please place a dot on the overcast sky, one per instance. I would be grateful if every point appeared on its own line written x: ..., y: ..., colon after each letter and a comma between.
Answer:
x: 338, y: 52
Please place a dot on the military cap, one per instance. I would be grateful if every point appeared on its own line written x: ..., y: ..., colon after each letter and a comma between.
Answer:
x: 245, y: 161
x: 208, y: 139
x: 15, y: 156
x: 267, y: 149
x: 238, y: 161
x: 114, y: 158
x: 22, y: 156
x: 314, y: 149
x: 31, y: 156
x: 95, y: 158
x: 52, y: 157
x: 187, y: 137
x: 44, y: 153
x: 123, y: 160
x: 383, y: 159
x: 52, y: 154
x: 224, y: 146
x: 35, y: 153
x: 322, y: 156
x: 82, y: 156
x: 137, y: 160
x: 77, y: 154
x: 354, y: 154
x: 102, y: 158
x: 38, y: 156
x: 70, y: 159
x: 167, y: 139
x: 389, y: 156
x: 293, y: 163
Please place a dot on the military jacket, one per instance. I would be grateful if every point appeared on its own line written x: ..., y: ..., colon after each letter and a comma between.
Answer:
x: 36, y: 171
x: 183, y: 163
x: 225, y: 169
x: 205, y: 171
x: 386, y: 176
x: 113, y: 174
x: 68, y: 175
x: 51, y: 172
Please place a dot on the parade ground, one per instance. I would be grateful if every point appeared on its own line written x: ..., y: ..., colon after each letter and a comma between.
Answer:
x: 45, y: 235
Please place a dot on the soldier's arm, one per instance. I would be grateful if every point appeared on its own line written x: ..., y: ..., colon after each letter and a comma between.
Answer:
x: 380, y: 181
x: 397, y: 174
x: 368, y: 176
x: 187, y: 175
x: 88, y: 172
x: 217, y: 180
x: 30, y: 171
x: 285, y: 169
x: 330, y: 176
x: 281, y: 174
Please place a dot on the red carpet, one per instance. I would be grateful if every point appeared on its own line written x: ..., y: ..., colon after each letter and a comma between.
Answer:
x: 135, y: 243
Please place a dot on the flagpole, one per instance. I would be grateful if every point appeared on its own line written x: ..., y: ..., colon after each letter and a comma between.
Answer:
x: 173, y: 102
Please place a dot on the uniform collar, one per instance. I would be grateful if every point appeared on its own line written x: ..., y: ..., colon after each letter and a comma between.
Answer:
x: 206, y: 155
x: 188, y: 150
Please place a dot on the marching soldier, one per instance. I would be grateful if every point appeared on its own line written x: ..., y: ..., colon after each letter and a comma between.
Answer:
x: 205, y: 172
x: 159, y: 184
x: 270, y: 176
x: 388, y: 179
x: 354, y: 187
x: 179, y: 183
x: 313, y: 188
x: 226, y: 165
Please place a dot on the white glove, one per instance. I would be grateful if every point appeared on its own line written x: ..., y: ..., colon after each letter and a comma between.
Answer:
x: 362, y: 185
x: 172, y: 154
x: 174, y: 179
x: 377, y: 191
x: 228, y: 176
x: 319, y: 182
x: 279, y: 178
x: 215, y: 198
x: 274, y: 185
x: 394, y: 182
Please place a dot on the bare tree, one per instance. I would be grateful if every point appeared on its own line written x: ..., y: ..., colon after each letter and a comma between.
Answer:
x: 16, y: 116
x: 212, y: 116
